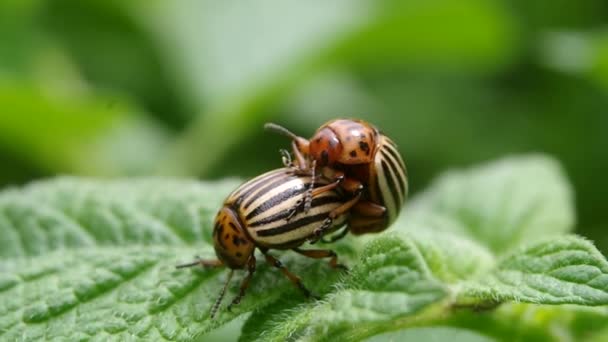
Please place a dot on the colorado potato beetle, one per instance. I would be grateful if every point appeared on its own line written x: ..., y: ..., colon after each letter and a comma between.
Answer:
x: 356, y: 156
x: 254, y: 216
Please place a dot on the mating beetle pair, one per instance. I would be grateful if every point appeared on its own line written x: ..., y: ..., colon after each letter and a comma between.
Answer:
x: 348, y: 175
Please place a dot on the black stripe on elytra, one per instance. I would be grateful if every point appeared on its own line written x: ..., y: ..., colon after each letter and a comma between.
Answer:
x: 393, y: 152
x: 269, y: 185
x: 378, y: 190
x: 252, y: 182
x: 275, y: 201
x: 258, y: 184
x: 390, y: 141
x: 398, y: 175
x: 293, y: 225
x: 316, y: 202
x: 391, y: 183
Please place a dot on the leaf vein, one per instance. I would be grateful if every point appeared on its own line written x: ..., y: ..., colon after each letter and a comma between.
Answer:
x: 181, y: 236
x: 11, y: 225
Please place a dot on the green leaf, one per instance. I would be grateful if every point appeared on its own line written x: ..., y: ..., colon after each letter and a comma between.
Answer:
x: 89, y: 258
x: 501, y: 204
x: 563, y: 270
x: 445, y: 255
x: 74, y: 213
x: 107, y: 292
x: 389, y: 287
x: 86, y: 258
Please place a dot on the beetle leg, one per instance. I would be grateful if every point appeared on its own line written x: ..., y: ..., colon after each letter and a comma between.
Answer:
x: 286, y: 158
x: 308, y: 194
x: 369, y: 209
x: 318, y: 233
x: 245, y: 283
x: 365, y: 225
x: 320, y: 254
x: 325, y: 188
x: 294, y: 210
x: 300, y: 204
x: 292, y: 277
x: 301, y: 162
x: 367, y: 217
x: 336, y: 237
x: 351, y: 185
x: 219, y: 299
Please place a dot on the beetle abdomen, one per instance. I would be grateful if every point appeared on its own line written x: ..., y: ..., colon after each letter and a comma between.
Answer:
x: 274, y: 230
x: 265, y: 202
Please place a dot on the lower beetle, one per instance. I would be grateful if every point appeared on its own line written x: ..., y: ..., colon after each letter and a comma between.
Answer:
x: 256, y: 214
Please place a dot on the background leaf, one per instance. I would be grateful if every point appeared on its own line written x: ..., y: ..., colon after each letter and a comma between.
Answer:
x: 327, y: 36
x: 57, y: 128
x: 75, y: 213
x: 502, y: 204
x: 445, y: 257
x: 388, y: 286
x: 566, y: 270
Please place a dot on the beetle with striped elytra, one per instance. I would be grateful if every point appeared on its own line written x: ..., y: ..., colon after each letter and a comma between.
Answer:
x: 255, y: 216
x: 357, y: 157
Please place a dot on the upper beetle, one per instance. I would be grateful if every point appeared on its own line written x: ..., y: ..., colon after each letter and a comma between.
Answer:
x: 356, y: 156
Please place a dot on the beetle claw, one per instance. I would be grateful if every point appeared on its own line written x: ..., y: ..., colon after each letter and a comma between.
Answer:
x: 307, y: 201
x: 286, y: 158
x: 343, y: 268
x: 234, y: 302
x: 301, y: 206
x: 317, y: 234
x: 295, y: 209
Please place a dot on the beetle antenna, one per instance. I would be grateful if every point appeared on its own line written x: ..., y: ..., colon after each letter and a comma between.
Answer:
x: 218, y: 301
x: 189, y: 264
x: 279, y: 129
x: 204, y: 263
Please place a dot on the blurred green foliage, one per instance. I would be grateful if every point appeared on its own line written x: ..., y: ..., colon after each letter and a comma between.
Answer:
x: 114, y: 88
